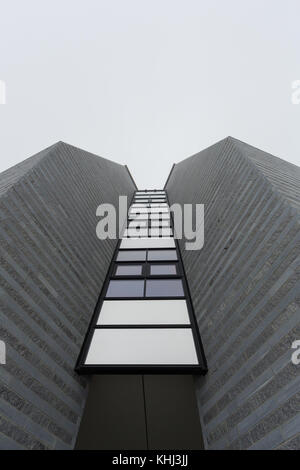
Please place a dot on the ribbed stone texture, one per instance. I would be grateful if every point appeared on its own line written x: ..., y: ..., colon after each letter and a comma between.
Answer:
x: 51, y: 271
x: 245, y: 285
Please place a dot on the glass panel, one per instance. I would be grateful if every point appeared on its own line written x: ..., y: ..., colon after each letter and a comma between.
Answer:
x: 156, y: 210
x: 144, y: 312
x: 150, y: 193
x: 150, y: 196
x: 125, y: 289
x: 158, y: 204
x: 131, y: 256
x: 140, y: 210
x: 142, y: 346
x: 133, y: 243
x: 163, y: 269
x: 138, y: 223
x: 157, y: 199
x: 162, y: 255
x: 135, y: 232
x: 166, y: 232
x: 160, y: 216
x: 129, y: 270
x: 162, y: 223
x: 138, y: 216
x: 164, y: 288
x: 160, y: 232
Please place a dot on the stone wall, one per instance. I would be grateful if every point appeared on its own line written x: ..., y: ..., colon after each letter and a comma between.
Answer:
x: 52, y: 267
x: 245, y: 285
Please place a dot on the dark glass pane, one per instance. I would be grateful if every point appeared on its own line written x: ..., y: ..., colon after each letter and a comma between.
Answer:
x: 129, y: 270
x: 163, y: 269
x: 125, y: 289
x: 162, y: 255
x: 131, y: 255
x: 164, y: 288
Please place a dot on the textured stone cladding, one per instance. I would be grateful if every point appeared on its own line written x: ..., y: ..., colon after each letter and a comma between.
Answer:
x: 246, y: 292
x: 52, y: 268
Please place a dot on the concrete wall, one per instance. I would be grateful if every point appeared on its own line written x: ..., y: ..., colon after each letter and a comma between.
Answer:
x: 245, y: 285
x: 52, y: 267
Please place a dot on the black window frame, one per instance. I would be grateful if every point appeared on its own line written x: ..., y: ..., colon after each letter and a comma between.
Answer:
x: 200, y: 368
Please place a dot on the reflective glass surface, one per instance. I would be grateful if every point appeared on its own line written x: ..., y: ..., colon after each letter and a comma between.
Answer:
x: 163, y: 269
x: 132, y: 288
x: 129, y: 270
x: 164, y: 288
x: 162, y: 255
x: 131, y: 255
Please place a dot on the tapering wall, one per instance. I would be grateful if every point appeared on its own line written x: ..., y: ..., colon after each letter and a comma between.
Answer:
x: 245, y: 285
x: 52, y: 267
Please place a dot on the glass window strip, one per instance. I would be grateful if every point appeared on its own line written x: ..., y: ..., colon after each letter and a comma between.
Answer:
x: 158, y: 288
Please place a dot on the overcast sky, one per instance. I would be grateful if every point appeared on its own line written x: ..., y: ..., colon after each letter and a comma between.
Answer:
x: 148, y: 82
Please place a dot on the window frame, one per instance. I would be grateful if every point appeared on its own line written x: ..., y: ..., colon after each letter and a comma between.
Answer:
x: 200, y: 368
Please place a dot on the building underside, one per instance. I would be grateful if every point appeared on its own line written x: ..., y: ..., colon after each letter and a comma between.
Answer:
x: 242, y: 291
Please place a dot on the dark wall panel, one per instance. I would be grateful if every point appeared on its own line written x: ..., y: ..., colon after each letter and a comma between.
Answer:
x: 172, y: 416
x: 140, y: 412
x: 114, y: 417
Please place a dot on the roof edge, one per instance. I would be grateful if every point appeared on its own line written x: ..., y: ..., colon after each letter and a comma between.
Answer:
x: 169, y: 176
x: 131, y: 177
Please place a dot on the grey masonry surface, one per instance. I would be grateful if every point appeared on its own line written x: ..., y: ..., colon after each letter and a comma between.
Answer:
x: 51, y: 271
x: 245, y: 286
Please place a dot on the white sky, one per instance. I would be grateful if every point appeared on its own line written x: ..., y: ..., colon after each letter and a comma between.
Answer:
x: 148, y: 82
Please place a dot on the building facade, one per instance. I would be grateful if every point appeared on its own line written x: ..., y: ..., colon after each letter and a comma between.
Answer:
x: 52, y: 268
x: 243, y: 287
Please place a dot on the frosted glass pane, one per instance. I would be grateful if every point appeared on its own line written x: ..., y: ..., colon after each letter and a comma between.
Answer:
x: 139, y: 210
x: 157, y: 200
x: 154, y: 198
x: 162, y: 255
x: 160, y: 232
x: 129, y: 270
x: 135, y: 232
x: 162, y: 210
x: 160, y: 216
x: 138, y: 216
x: 131, y: 256
x: 147, y: 243
x: 134, y: 288
x: 163, y: 269
x: 138, y: 223
x: 144, y: 312
x: 164, y: 288
x: 161, y: 223
x: 142, y: 346
x: 150, y: 193
x: 158, y: 204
